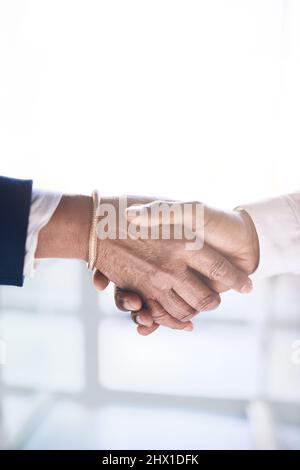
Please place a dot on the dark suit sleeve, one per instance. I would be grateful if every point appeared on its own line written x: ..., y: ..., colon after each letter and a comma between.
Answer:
x: 15, y: 200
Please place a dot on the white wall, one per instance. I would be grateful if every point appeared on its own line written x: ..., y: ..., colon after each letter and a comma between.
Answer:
x: 190, y: 99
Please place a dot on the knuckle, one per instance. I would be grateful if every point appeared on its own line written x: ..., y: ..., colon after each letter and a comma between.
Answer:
x: 162, y: 317
x: 218, y: 269
x: 189, y: 315
x: 163, y: 280
x: 177, y: 308
x: 183, y: 274
x: 186, y: 313
x: 156, y: 311
x: 208, y: 302
x: 159, y: 314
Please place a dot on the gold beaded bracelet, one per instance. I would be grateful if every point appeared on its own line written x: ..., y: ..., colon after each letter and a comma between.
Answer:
x: 92, y: 254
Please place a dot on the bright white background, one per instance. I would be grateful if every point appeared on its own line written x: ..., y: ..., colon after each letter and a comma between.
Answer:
x: 193, y: 99
x: 186, y: 99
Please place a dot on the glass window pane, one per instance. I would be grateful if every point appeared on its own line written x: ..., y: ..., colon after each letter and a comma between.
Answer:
x: 15, y: 412
x: 282, y: 373
x: 55, y: 287
x: 219, y: 361
x: 45, y: 351
x: 71, y: 426
x: 286, y: 299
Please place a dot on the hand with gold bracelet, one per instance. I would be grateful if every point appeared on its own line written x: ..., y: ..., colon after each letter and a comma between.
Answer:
x: 172, y: 283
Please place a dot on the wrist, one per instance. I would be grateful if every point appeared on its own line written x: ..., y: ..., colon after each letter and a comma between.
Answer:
x: 67, y: 233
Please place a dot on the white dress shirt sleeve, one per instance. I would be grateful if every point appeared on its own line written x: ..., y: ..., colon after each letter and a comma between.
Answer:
x: 277, y: 223
x: 43, y: 205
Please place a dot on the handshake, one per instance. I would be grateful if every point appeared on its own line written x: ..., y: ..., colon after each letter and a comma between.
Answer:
x: 168, y: 260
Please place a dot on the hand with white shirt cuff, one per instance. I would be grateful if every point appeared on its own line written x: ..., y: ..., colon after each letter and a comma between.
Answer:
x: 261, y: 238
x: 277, y: 223
x: 266, y: 244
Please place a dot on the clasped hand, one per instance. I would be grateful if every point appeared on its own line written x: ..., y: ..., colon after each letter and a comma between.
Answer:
x: 161, y: 281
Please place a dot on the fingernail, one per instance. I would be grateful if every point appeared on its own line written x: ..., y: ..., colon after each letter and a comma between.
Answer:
x: 127, y: 305
x: 140, y: 321
x: 188, y: 327
x: 247, y: 287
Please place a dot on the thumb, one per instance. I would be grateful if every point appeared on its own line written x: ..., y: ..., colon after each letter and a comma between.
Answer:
x: 100, y: 281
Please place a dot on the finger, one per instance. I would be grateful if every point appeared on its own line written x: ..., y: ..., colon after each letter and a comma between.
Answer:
x: 196, y: 293
x: 100, y: 281
x: 127, y: 300
x: 143, y: 317
x: 176, y: 306
x: 161, y: 317
x: 145, y: 330
x: 213, y: 285
x: 216, y: 267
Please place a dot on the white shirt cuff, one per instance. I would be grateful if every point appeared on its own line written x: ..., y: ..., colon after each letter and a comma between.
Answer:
x: 277, y: 223
x: 43, y: 206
